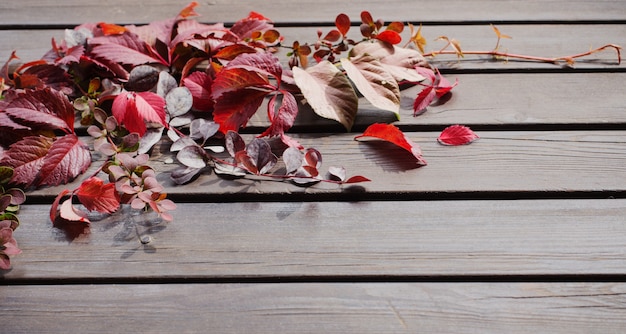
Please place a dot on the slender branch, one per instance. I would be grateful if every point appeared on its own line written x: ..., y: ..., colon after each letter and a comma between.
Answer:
x: 568, y: 59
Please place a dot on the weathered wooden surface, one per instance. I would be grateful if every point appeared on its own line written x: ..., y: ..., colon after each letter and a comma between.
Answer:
x: 54, y: 12
x: 522, y: 231
x: 341, y: 240
x: 318, y: 308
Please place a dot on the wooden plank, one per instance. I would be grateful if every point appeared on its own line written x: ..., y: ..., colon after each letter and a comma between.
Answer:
x: 339, y: 240
x: 317, y: 308
x: 53, y: 12
x: 508, y: 163
x: 546, y: 40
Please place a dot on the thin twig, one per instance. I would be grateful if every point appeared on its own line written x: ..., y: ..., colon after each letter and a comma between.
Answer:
x: 568, y: 59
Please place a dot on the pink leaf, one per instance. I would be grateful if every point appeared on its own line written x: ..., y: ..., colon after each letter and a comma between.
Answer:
x: 390, y: 133
x: 282, y: 118
x: 133, y: 109
x: 457, y: 135
x: 69, y: 213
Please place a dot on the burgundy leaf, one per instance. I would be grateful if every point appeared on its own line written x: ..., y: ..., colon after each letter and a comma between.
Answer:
x: 126, y: 48
x: 199, y: 84
x: 281, y: 119
x: 44, y: 109
x: 234, y: 109
x: 390, y: 133
x: 67, y: 158
x: 26, y: 157
x: 455, y: 135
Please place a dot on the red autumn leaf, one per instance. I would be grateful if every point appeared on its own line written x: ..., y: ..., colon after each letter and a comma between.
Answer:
x: 438, y: 87
x: 42, y: 109
x: 246, y: 27
x: 134, y: 109
x: 95, y: 195
x: 111, y: 29
x: 67, y: 158
x: 189, y: 10
x: 357, y: 179
x: 69, y: 213
x: 126, y: 48
x: 457, y: 135
x: 233, y: 109
x: 283, y: 117
x: 232, y: 51
x: 26, y: 157
x: 342, y: 22
x: 389, y: 36
x: 391, y: 133
x: 199, y: 84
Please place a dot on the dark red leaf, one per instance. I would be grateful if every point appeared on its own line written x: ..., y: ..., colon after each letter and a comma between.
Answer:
x: 390, y: 133
x: 233, y: 109
x: 283, y: 117
x: 232, y: 51
x: 26, y: 157
x: 126, y: 48
x: 43, y: 109
x: 332, y: 36
x: 229, y: 80
x: 457, y: 135
x: 423, y: 99
x: 357, y: 179
x: 199, y: 84
x: 389, y: 36
x: 95, y: 195
x: 342, y: 22
x: 366, y: 18
x: 67, y: 158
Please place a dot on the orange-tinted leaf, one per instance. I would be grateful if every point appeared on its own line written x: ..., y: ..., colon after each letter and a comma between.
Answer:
x: 498, y: 33
x: 390, y: 37
x: 332, y: 36
x: 271, y: 36
x: 391, y: 133
x: 396, y: 26
x: 342, y: 22
x: 417, y: 38
x: 111, y: 29
x: 189, y: 10
x: 457, y: 135
x: 95, y: 195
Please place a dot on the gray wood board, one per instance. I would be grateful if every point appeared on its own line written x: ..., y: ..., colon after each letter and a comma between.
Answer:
x: 513, y: 163
x: 317, y: 308
x: 48, y: 12
x: 311, y: 240
x: 546, y: 40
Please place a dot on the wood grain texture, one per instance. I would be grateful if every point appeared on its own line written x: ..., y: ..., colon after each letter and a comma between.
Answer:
x: 547, y: 40
x: 317, y: 308
x: 344, y: 240
x: 46, y: 12
x: 503, y: 162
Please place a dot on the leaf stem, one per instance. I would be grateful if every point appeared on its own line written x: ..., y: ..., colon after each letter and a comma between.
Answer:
x: 567, y: 59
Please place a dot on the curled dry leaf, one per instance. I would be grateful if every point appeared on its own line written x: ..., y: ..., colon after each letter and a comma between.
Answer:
x: 457, y: 135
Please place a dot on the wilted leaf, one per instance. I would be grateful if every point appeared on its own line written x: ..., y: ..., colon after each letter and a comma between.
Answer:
x: 68, y: 212
x: 455, y: 135
x: 391, y: 133
x: 328, y: 91
x: 95, y: 195
x: 400, y: 62
x: 376, y: 84
x: 261, y: 156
